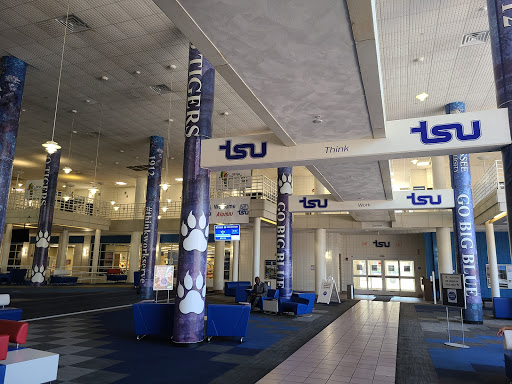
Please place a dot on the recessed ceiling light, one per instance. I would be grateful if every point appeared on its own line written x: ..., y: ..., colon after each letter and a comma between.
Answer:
x: 179, y: 179
x: 74, y: 111
x: 169, y: 120
x: 87, y: 100
x: 414, y: 161
x: 172, y: 66
x: 419, y: 59
x: 120, y: 183
x: 104, y: 78
x: 422, y: 163
x: 121, y: 150
x: 481, y: 9
x: 23, y: 110
x: 137, y: 72
x: 422, y: 96
x: 74, y: 131
x: 172, y: 158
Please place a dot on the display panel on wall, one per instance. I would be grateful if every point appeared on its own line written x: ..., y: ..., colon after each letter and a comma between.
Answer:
x: 504, y: 276
x: 230, y: 210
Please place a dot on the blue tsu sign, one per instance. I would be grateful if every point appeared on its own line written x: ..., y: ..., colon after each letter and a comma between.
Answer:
x: 424, y: 199
x: 313, y: 203
x: 241, y: 151
x: 442, y: 133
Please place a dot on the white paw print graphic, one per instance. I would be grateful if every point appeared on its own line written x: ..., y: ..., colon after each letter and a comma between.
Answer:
x: 285, y: 184
x: 42, y: 240
x: 194, y: 299
x: 195, y: 238
x: 38, y: 275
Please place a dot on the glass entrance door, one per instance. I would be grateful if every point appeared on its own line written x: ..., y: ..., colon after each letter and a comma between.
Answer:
x: 383, y: 277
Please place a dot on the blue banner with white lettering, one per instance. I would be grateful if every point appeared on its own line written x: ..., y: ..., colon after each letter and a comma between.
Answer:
x: 500, y: 25
x: 150, y: 232
x: 44, y: 226
x: 284, y: 233
x: 195, y: 206
x: 464, y: 229
x: 12, y: 81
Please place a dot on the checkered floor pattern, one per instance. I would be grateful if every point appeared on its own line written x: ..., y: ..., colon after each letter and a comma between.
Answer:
x: 81, y: 343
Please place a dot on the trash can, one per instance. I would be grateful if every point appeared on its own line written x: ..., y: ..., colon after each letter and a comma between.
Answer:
x: 350, y: 291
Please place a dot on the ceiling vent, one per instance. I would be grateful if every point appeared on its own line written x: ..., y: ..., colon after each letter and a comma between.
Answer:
x: 74, y: 23
x: 161, y: 89
x: 138, y: 168
x: 475, y: 38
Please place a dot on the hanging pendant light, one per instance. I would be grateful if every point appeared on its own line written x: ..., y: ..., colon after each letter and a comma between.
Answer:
x: 165, y: 185
x: 51, y: 146
x: 67, y: 169
x: 93, y: 190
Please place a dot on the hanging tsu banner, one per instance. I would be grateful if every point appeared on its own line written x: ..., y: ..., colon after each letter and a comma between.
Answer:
x: 411, y: 200
x: 425, y: 136
x: 236, y: 210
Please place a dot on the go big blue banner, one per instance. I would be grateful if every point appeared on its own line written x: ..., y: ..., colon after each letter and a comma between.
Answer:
x: 464, y: 229
x: 284, y: 233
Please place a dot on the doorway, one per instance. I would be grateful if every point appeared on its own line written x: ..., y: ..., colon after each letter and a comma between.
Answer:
x: 384, y: 277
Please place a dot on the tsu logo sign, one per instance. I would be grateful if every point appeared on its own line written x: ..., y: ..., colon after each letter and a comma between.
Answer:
x: 442, y: 133
x: 240, y: 151
x: 313, y: 203
x: 423, y: 199
x: 380, y: 244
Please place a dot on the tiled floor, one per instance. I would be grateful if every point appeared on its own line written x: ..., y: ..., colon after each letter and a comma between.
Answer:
x: 359, y: 347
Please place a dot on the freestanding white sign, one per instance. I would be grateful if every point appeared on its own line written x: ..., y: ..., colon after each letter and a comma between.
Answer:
x: 431, y: 136
x: 329, y: 292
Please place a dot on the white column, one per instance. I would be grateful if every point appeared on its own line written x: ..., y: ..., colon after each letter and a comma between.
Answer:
x: 62, y: 251
x: 256, y: 248
x: 320, y: 249
x: 96, y: 250
x: 141, y: 184
x: 6, y: 246
x: 236, y: 258
x: 158, y: 257
x: 231, y: 262
x: 218, y: 266
x: 444, y: 242
x: 134, y: 264
x: 493, y: 261
x: 86, y: 251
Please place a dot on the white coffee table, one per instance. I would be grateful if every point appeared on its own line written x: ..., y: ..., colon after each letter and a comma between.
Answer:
x: 30, y: 366
x: 270, y: 306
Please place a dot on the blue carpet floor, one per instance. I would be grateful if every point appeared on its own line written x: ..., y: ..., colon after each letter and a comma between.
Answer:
x: 483, y: 362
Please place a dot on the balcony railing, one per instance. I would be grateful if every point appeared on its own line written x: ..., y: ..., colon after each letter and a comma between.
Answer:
x: 492, y: 180
x: 258, y: 187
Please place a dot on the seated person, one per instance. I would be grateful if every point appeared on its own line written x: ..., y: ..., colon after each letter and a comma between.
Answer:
x: 260, y: 290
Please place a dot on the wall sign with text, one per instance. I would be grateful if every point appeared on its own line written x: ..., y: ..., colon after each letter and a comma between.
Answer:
x: 431, y: 199
x: 431, y: 136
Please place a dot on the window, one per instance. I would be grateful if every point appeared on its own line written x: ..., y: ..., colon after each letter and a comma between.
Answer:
x: 14, y: 255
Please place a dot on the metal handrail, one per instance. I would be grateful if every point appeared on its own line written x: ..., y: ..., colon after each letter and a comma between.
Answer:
x: 256, y: 187
x: 492, y: 180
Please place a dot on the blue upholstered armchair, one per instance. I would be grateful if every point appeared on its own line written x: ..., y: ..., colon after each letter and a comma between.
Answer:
x: 299, y: 303
x: 227, y: 320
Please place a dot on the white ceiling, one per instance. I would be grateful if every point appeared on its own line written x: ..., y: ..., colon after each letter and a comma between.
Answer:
x: 126, y: 36
x: 433, y: 29
x: 130, y: 35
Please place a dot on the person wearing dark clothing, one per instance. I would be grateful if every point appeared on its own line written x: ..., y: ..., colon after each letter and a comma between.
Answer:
x: 260, y: 290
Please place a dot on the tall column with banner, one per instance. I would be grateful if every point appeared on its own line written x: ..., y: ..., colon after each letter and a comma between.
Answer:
x: 12, y: 81
x: 500, y: 25
x: 464, y: 229
x: 150, y: 232
x: 44, y: 226
x: 284, y: 233
x: 195, y: 206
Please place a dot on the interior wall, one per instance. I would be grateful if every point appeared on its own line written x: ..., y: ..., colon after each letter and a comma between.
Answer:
x: 401, y: 247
